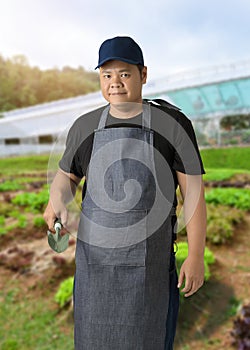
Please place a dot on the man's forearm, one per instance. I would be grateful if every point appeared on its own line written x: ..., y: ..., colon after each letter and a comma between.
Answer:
x: 196, y: 223
x: 192, y: 191
x: 62, y: 188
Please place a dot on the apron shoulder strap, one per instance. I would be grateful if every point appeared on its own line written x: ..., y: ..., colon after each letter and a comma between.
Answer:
x: 146, y: 119
x: 159, y: 102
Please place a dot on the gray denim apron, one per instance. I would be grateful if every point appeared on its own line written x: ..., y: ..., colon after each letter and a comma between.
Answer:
x: 124, y: 244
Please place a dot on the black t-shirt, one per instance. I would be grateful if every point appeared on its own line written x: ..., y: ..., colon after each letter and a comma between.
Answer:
x: 174, y: 142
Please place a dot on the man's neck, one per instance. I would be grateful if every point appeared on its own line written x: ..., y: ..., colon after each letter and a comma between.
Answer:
x: 125, y: 110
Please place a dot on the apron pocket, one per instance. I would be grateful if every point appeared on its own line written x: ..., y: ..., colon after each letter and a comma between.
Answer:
x: 116, y: 296
x: 118, y: 240
x: 126, y: 256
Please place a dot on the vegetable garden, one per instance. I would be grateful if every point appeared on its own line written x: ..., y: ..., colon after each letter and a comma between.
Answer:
x: 36, y: 283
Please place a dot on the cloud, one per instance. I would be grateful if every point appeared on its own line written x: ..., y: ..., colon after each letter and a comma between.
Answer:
x: 174, y: 34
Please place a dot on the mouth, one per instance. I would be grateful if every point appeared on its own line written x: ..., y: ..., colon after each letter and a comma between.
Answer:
x: 117, y: 93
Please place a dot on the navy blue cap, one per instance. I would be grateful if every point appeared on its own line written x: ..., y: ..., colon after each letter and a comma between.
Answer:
x: 121, y: 48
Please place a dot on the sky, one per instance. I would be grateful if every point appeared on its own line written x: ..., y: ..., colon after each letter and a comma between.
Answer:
x: 175, y: 35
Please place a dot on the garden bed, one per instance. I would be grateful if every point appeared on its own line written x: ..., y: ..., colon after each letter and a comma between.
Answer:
x: 31, y: 273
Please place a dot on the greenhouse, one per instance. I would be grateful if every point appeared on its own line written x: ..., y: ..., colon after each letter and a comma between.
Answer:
x: 205, y: 96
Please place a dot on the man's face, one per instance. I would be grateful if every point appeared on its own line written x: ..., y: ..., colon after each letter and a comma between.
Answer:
x: 122, y: 82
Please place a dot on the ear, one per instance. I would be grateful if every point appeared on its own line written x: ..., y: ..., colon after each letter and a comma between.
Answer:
x: 144, y: 75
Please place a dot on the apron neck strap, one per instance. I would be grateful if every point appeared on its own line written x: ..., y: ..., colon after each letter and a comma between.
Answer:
x: 146, y: 117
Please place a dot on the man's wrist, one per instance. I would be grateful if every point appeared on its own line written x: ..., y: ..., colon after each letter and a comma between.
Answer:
x: 196, y: 254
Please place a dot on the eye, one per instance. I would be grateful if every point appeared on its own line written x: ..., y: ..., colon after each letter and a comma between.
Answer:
x: 125, y: 75
x: 106, y: 76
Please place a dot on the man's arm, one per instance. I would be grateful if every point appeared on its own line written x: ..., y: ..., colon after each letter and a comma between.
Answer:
x: 192, y: 270
x: 62, y: 191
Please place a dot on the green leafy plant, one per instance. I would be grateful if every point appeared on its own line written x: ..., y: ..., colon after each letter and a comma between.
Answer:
x: 6, y: 208
x: 13, y: 213
x: 22, y: 221
x: 65, y: 291
x: 246, y: 137
x: 38, y: 221
x: 10, y: 185
x: 3, y: 231
x: 2, y: 220
x: 221, y: 222
x: 32, y: 201
x: 233, y: 306
x: 11, y: 227
x: 234, y: 197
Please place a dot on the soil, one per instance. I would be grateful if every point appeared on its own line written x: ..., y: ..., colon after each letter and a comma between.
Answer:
x: 205, y: 319
x: 237, y: 181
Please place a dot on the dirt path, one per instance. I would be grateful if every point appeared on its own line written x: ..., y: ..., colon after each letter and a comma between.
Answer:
x: 35, y: 265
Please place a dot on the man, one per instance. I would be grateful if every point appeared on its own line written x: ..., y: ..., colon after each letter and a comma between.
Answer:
x: 133, y: 154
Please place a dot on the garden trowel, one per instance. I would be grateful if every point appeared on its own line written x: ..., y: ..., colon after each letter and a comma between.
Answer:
x: 56, y: 241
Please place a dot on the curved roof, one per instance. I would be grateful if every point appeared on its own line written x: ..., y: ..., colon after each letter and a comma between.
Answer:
x: 207, y: 93
x: 212, y: 100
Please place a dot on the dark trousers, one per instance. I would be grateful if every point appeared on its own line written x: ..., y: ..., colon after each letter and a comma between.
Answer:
x: 173, y: 307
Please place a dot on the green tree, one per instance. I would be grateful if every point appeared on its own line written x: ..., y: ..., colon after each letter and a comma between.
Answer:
x: 22, y: 85
x: 236, y: 122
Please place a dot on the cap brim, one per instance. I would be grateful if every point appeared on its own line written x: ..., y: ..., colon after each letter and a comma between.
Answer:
x: 119, y: 59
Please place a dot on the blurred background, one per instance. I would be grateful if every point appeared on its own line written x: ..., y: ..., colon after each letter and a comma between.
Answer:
x: 198, y: 59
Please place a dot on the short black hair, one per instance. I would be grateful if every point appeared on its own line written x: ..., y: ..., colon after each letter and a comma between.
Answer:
x: 140, y: 67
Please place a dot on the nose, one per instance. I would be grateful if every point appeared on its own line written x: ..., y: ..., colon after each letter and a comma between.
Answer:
x: 116, y: 82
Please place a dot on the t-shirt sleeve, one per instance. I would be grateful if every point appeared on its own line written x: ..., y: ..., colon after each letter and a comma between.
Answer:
x: 187, y: 158
x: 70, y: 161
x: 79, y: 143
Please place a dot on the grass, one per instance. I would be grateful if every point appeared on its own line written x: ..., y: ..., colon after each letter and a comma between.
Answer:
x: 27, y: 164
x: 221, y: 174
x: 231, y: 158
x: 26, y: 324
x: 25, y: 180
x: 233, y: 307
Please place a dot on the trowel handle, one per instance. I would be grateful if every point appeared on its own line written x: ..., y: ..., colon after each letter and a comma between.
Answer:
x: 57, y: 224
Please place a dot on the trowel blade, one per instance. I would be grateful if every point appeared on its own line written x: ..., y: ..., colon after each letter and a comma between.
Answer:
x: 59, y: 244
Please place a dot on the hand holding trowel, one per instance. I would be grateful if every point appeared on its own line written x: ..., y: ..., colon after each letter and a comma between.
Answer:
x: 58, y: 242
x: 56, y: 213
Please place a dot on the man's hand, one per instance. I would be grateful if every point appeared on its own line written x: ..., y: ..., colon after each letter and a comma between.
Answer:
x: 50, y: 215
x: 192, y: 272
x: 62, y: 191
